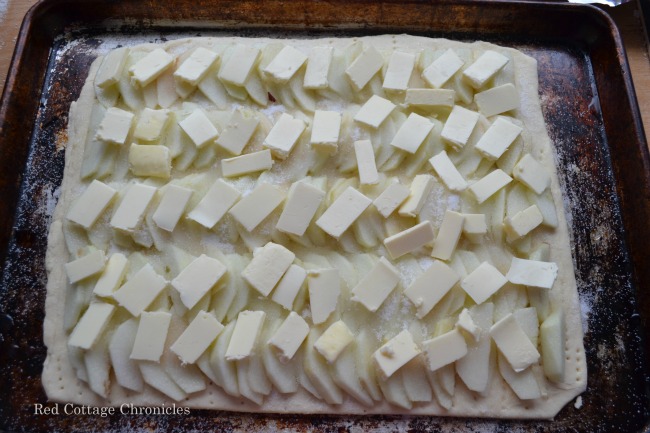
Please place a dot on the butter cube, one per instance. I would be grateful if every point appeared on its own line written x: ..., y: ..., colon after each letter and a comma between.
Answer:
x: 374, y: 111
x: 289, y: 337
x: 373, y: 289
x: 300, y: 208
x: 197, y: 279
x: 483, y: 282
x: 288, y: 287
x: 497, y: 100
x: 398, y: 73
x: 129, y: 212
x: 364, y: 67
x: 150, y: 338
x: 334, y: 340
x: 148, y: 160
x: 532, y: 273
x: 151, y: 124
x: 284, y: 135
x: 343, y: 212
x: 112, y: 276
x: 442, y: 69
x: 532, y: 174
x: 285, y: 64
x: 366, y: 162
x: 513, y: 343
x: 245, y: 335
x: 391, y: 198
x: 448, y: 235
x: 110, y: 71
x: 139, y: 292
x: 86, y: 266
x: 236, y: 69
x: 395, y: 354
x: 151, y: 66
x: 489, y: 185
x: 214, y: 204
x: 239, y: 131
x: 196, y: 66
x: 430, y: 287
x: 444, y: 349
x: 429, y: 98
x: 199, y: 128
x: 411, y: 134
x: 267, y: 267
x: 115, y: 126
x: 197, y: 337
x: 319, y: 60
x: 91, y: 325
x: 447, y: 172
x: 522, y: 223
x: 484, y: 68
x: 251, y: 210
x: 171, y: 207
x: 459, y: 126
x: 91, y: 204
x: 409, y: 240
x: 247, y: 164
x: 420, y: 189
x: 325, y: 130
x: 498, y: 138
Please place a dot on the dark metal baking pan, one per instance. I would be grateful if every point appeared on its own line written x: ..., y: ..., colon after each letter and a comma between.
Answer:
x: 588, y: 103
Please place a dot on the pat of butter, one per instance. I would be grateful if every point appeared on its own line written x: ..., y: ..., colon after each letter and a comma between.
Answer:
x: 483, y: 282
x: 484, y: 68
x: 391, y: 198
x: 239, y: 131
x: 129, y: 212
x: 285, y: 64
x: 532, y: 174
x: 197, y: 337
x: 319, y: 60
x: 91, y: 325
x: 376, y: 285
x: 199, y: 128
x: 197, y: 279
x: 236, y: 69
x: 522, y: 223
x: 324, y: 289
x: 91, y: 204
x: 112, y: 276
x: 171, y: 207
x: 148, y: 160
x: 448, y: 235
x: 532, y: 273
x: 343, y: 212
x: 288, y: 287
x: 251, y: 210
x: 398, y: 73
x: 430, y: 287
x: 374, y: 111
x: 247, y: 164
x: 245, y: 335
x: 447, y: 172
x: 420, y: 189
x: 467, y: 324
x: 151, y: 124
x: 409, y: 240
x: 430, y: 98
x: 139, y: 292
x: 444, y: 349
x: 498, y: 138
x: 151, y: 66
x: 442, y: 69
x: 325, y: 130
x: 86, y: 266
x: 300, y: 208
x: 267, y: 267
x: 289, y: 337
x: 196, y: 66
x: 513, y: 343
x: 110, y: 71
x: 475, y: 225
x: 459, y: 126
x: 395, y: 353
x: 150, y: 338
x: 115, y: 126
x: 366, y: 162
x: 497, y: 100
x: 214, y: 204
x: 284, y: 135
x: 411, y: 134
x: 489, y: 185
x: 364, y: 67
x: 334, y: 341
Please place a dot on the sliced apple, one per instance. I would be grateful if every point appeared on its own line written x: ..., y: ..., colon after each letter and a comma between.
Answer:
x: 524, y: 383
x: 76, y: 358
x: 444, y: 399
x: 395, y: 392
x: 318, y: 373
x: 304, y: 97
x: 223, y: 299
x: 553, y: 335
x: 155, y: 376
x: 225, y: 372
x: 243, y: 379
x: 344, y: 373
x: 527, y: 318
x: 365, y: 369
x: 447, y: 378
x: 126, y: 370
x: 474, y: 368
x: 415, y: 380
x: 212, y: 88
x: 107, y: 96
x: 187, y: 376
x: 203, y: 363
x: 98, y: 367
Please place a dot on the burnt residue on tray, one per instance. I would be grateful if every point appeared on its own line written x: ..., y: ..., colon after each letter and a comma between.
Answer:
x: 571, y: 92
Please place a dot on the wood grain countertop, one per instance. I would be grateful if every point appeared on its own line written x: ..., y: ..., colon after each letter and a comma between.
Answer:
x: 627, y: 16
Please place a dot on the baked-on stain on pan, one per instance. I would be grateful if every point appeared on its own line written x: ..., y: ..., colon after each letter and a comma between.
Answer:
x: 589, y: 108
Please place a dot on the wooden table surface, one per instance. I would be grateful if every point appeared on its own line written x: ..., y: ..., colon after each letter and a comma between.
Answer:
x: 627, y: 16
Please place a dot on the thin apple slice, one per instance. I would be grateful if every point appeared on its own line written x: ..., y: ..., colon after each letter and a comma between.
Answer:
x: 365, y: 369
x: 283, y: 376
x: 256, y: 89
x: 186, y: 376
x: 107, y: 96
x: 447, y: 377
x: 527, y: 318
x: 344, y: 373
x: 243, y: 379
x: 242, y: 293
x: 444, y: 399
x: 155, y: 376
x: 318, y: 373
x: 524, y: 383
x: 304, y: 97
x: 257, y: 377
x: 126, y: 370
x: 552, y: 334
x: 225, y: 372
x: 415, y: 380
x: 395, y: 392
x: 203, y: 363
x: 76, y: 358
x: 223, y: 299
x: 474, y: 368
x: 212, y: 88
x: 98, y: 367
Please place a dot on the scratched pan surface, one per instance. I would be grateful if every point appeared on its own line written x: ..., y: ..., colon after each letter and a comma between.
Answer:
x: 590, y: 111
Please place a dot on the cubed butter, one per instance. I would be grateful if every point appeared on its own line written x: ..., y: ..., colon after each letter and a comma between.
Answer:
x: 289, y: 337
x: 251, y: 210
x: 150, y: 338
x: 245, y: 335
x: 421, y: 187
x: 430, y: 287
x: 513, y: 343
x: 148, y: 160
x: 129, y: 212
x: 247, y: 164
x: 334, y: 341
x: 284, y: 135
x: 199, y: 128
x: 115, y: 126
x: 391, y: 198
x: 324, y: 289
x: 409, y: 240
x: 459, y: 126
x: 171, y: 207
x: 239, y: 131
x: 522, y: 223
x: 301, y: 206
x: 447, y: 172
x: 532, y: 273
x: 267, y: 267
x: 325, y: 130
x: 532, y: 173
x: 151, y: 124
x: 197, y: 337
x: 442, y: 69
x: 373, y: 289
x: 289, y: 286
x: 197, y: 279
x: 489, y: 185
x: 196, y: 66
x: 374, y: 111
x: 399, y: 70
x: 343, y: 212
x: 85, y: 266
x: 483, y: 282
x: 366, y: 165
x: 498, y: 138
x: 151, y: 66
x: 285, y: 64
x: 484, y: 68
x: 497, y: 100
x: 444, y: 349
x: 139, y: 292
x: 395, y: 353
x: 319, y: 60
x: 214, y: 204
x: 236, y: 69
x: 448, y: 235
x: 91, y: 204
x: 412, y: 133
x: 364, y: 67
x: 91, y: 325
